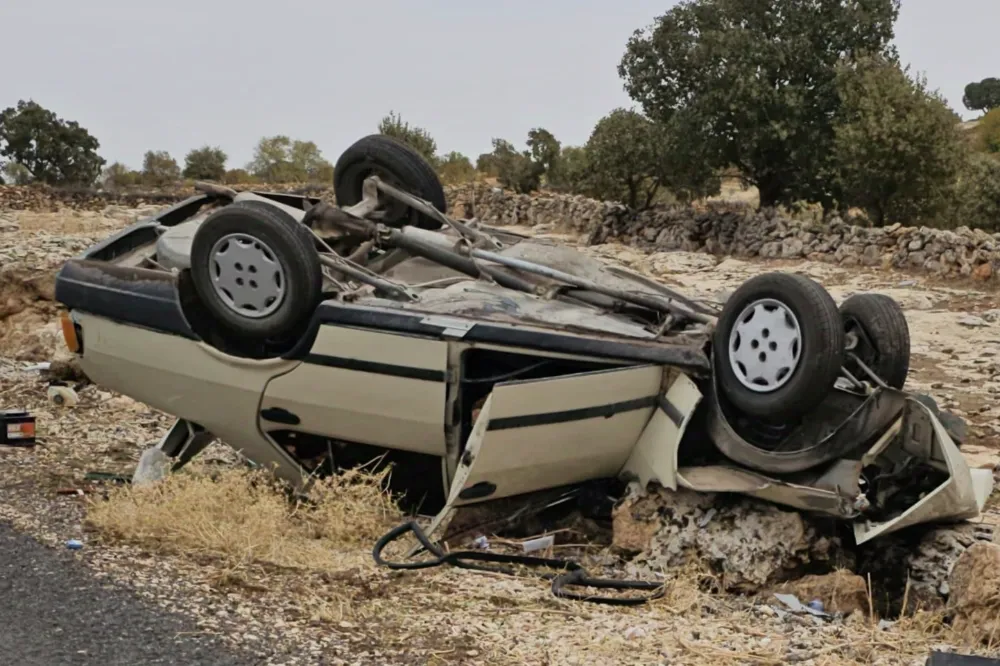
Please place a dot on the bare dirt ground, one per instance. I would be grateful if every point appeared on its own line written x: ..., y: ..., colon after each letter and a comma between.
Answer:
x: 295, y: 591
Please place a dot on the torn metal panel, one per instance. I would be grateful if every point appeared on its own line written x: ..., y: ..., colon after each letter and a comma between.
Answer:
x: 654, y: 457
x: 957, y: 498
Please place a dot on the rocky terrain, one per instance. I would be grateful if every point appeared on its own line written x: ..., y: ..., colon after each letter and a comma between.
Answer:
x: 358, y: 614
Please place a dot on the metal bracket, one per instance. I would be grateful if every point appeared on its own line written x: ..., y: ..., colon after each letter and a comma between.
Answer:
x: 452, y: 328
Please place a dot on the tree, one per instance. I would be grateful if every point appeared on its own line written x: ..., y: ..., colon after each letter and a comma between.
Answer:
x: 308, y: 163
x: 570, y: 175
x: 545, y: 149
x: 515, y: 169
x: 979, y: 192
x: 754, y: 80
x: 897, y: 146
x: 982, y: 96
x: 238, y: 177
x: 456, y: 168
x: 205, y: 163
x: 487, y: 164
x: 630, y: 158
x: 278, y: 159
x: 53, y: 150
x: 987, y: 132
x: 159, y: 169
x: 416, y: 137
x: 16, y: 174
x: 117, y: 175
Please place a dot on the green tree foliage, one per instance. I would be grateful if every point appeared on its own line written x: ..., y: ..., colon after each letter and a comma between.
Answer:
x: 456, y: 168
x: 118, y: 176
x: 545, y: 149
x: 570, y: 174
x: 159, y: 169
x: 205, y: 163
x: 238, y: 177
x: 630, y: 158
x: 279, y: 159
x: 979, y: 193
x: 755, y: 82
x: 897, y: 145
x: 53, y: 150
x: 987, y: 133
x: 16, y: 174
x: 982, y: 96
x: 515, y: 169
x: 488, y: 165
x: 416, y: 137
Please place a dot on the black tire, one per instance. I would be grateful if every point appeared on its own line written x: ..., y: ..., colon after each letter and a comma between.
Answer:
x: 820, y: 357
x: 886, y: 344
x: 401, y: 166
x: 292, y: 245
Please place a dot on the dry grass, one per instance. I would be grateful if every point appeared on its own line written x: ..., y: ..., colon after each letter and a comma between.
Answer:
x: 243, y: 518
x: 315, y: 558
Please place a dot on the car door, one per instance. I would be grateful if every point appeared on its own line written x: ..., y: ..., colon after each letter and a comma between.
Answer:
x: 367, y: 387
x: 546, y: 433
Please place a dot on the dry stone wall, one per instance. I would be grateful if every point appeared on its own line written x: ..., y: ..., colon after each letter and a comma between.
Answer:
x: 721, y: 229
x: 739, y: 230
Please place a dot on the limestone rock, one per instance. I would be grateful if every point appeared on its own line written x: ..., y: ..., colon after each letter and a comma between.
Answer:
x: 839, y: 591
x: 749, y: 544
x: 974, y: 602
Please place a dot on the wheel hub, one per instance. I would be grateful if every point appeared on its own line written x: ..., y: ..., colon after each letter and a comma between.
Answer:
x: 246, y: 275
x: 765, y: 345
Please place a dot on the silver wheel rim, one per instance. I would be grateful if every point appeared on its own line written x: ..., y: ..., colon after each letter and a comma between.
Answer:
x: 246, y: 275
x: 765, y: 345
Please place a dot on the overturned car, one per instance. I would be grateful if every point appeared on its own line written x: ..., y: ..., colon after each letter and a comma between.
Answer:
x: 485, y: 364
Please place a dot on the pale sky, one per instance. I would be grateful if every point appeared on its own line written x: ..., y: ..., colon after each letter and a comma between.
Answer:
x: 175, y: 75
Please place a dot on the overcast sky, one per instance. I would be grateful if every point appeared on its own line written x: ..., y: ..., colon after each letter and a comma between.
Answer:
x: 178, y: 74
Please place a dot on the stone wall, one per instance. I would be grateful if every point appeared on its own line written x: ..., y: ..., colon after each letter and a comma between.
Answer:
x: 737, y: 230
x: 722, y: 229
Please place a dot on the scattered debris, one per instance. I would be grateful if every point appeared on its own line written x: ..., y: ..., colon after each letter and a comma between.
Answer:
x: 836, y: 592
x: 570, y: 574
x: 17, y: 428
x: 74, y: 544
x: 153, y: 466
x: 796, y: 606
x: 64, y: 396
x: 541, y: 543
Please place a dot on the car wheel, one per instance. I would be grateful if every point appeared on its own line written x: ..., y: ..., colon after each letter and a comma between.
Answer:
x: 778, y: 347
x: 397, y: 164
x: 256, y: 270
x: 883, y: 337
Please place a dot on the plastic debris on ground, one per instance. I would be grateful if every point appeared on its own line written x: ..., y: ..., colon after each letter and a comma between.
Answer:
x: 17, y: 428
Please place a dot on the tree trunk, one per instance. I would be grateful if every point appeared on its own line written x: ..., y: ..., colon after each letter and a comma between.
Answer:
x: 770, y: 189
x: 633, y: 195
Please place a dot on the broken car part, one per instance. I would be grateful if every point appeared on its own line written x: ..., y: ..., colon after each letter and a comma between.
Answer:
x: 17, y: 428
x: 572, y: 574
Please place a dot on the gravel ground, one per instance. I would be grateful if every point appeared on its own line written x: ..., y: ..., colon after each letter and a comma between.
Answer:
x: 55, y: 612
x: 433, y: 617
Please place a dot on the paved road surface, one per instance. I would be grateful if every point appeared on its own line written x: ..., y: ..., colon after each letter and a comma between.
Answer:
x: 54, y: 613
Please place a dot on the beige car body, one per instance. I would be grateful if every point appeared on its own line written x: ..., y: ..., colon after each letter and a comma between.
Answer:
x: 529, y: 435
x: 616, y: 409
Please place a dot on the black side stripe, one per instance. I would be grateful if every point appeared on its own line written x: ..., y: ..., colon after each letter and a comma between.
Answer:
x: 377, y: 368
x: 601, y: 411
x: 670, y: 409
